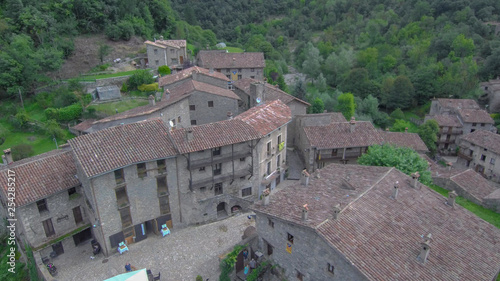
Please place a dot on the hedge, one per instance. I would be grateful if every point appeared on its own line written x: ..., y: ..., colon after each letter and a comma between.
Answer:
x: 67, y: 113
x: 148, y: 87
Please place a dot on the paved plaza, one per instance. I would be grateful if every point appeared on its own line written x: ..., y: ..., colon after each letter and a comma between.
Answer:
x: 179, y: 256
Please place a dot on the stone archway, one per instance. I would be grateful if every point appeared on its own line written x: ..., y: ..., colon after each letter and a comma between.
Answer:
x: 221, y: 210
x: 235, y: 209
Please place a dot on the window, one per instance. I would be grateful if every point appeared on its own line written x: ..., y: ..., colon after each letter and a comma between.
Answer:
x: 474, y: 124
x: 228, y: 70
x: 172, y: 51
x: 242, y: 159
x: 492, y: 161
x: 268, y: 169
x: 331, y: 268
x: 203, y: 188
x: 202, y: 169
x: 278, y: 159
x: 472, y: 130
x: 162, y: 167
x: 239, y: 77
x: 77, y: 214
x: 157, y: 62
x: 253, y: 77
x: 218, y: 188
x: 217, y: 169
x: 174, y: 61
x: 218, y: 70
x: 239, y: 70
x: 252, y: 69
x: 300, y: 276
x: 210, y: 103
x: 279, y: 139
x: 192, y: 107
x: 334, y: 152
x: 48, y: 227
x: 482, y: 124
x: 42, y: 206
x: 216, y: 151
x: 121, y: 196
x: 119, y: 178
x: 242, y: 178
x: 156, y: 51
x: 179, y: 119
x: 246, y: 192
x: 71, y: 191
x: 290, y: 238
x: 268, y: 148
x: 162, y: 186
x: 270, y: 223
x: 228, y: 77
x: 193, y: 122
x: 483, y: 157
x: 164, y: 205
x: 141, y: 170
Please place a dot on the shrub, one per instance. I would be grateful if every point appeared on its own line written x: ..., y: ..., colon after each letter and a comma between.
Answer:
x: 87, y: 98
x: 199, y: 278
x: 124, y: 88
x: 20, y: 120
x: 3, y: 134
x: 51, y: 113
x: 75, y: 85
x: 148, y: 88
x: 69, y: 113
x: 398, y: 114
x: 140, y: 76
x: 22, y: 151
x: 164, y: 70
x: 52, y: 128
x: 44, y: 99
x: 63, y: 97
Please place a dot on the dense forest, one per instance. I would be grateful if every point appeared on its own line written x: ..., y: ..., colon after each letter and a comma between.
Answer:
x: 396, y: 53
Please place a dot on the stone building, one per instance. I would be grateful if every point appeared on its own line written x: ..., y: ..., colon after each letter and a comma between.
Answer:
x: 457, y: 117
x: 351, y: 222
x: 336, y: 142
x: 208, y: 76
x: 479, y: 151
x: 409, y: 140
x: 50, y: 204
x: 166, y: 52
x: 252, y: 92
x: 139, y: 176
x: 235, y: 66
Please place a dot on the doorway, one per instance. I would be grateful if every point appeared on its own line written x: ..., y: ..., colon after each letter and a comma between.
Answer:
x: 82, y: 236
x: 221, y: 209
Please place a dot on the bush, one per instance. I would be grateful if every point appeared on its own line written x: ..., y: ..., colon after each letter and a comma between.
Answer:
x: 63, y: 97
x: 44, y: 99
x: 20, y: 120
x: 140, y: 76
x: 3, y: 134
x: 52, y: 128
x: 124, y: 88
x: 69, y: 113
x: 22, y: 151
x: 398, y: 114
x: 51, y: 113
x: 199, y: 278
x: 75, y: 85
x: 164, y: 70
x: 87, y: 99
x: 148, y: 88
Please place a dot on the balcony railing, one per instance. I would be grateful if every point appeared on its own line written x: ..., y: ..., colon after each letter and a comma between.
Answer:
x: 196, y: 164
x: 464, y: 156
x: 220, y: 178
x: 453, y: 132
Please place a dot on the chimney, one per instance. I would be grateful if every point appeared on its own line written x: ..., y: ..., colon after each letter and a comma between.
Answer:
x: 425, y: 248
x: 415, y: 176
x: 234, y: 61
x: 166, y: 94
x: 304, y: 179
x: 229, y: 115
x: 161, y: 37
x: 449, y: 164
x: 387, y: 129
x: 451, y: 198
x: 395, y: 191
x: 406, y: 130
x: 336, y: 211
x: 152, y: 100
x: 211, y: 70
x: 257, y: 91
x: 305, y: 209
x: 7, y: 157
x: 265, y: 195
x: 353, y: 124
x: 189, y: 134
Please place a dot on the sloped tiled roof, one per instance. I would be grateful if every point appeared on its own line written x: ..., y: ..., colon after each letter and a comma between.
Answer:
x: 381, y: 236
x: 188, y: 87
x: 82, y: 126
x: 41, y: 176
x: 188, y: 72
x: 485, y: 139
x: 123, y: 145
x: 446, y: 120
x: 410, y: 140
x: 474, y: 183
x: 459, y: 103
x: 271, y: 92
x: 252, y: 124
x: 217, y: 59
x: 338, y: 135
x: 475, y: 116
x: 167, y: 43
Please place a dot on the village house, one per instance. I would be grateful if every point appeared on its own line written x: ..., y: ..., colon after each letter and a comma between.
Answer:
x: 171, y: 53
x: 479, y: 150
x: 235, y: 66
x: 409, y: 140
x: 457, y: 117
x: 336, y: 142
x: 195, y: 73
x: 351, y: 222
x: 50, y: 203
x: 253, y: 92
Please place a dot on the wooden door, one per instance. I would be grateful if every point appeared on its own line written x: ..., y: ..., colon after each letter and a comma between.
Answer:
x: 77, y: 213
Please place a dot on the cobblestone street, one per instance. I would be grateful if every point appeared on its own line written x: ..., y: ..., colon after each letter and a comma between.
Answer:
x: 179, y: 256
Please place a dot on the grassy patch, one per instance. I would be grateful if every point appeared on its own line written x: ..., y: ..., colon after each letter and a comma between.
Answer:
x: 40, y: 143
x: 111, y: 107
x: 484, y: 213
x: 110, y: 75
x: 234, y: 49
x: 20, y: 268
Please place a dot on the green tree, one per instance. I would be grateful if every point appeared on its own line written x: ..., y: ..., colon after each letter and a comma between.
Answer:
x: 140, y: 76
x: 428, y: 133
x: 400, y: 125
x: 346, y: 105
x: 462, y: 46
x: 164, y: 70
x: 317, y: 106
x: 103, y: 51
x: 299, y: 89
x: 22, y: 151
x: 401, y: 94
x: 3, y: 134
x: 311, y: 66
x: 321, y: 83
x: 404, y: 159
x: 281, y: 83
x: 397, y: 114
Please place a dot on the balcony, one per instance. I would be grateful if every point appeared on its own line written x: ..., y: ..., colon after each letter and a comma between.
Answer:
x: 453, y: 132
x: 464, y: 156
x: 220, y: 178
x: 196, y: 164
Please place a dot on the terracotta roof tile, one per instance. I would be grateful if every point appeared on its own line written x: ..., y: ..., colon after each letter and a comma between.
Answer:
x: 82, y: 126
x: 123, y: 145
x: 188, y: 72
x: 267, y: 117
x: 271, y: 92
x: 474, y: 183
x: 41, y: 176
x: 485, y: 139
x: 381, y: 236
x: 170, y: 43
x: 410, y: 140
x: 338, y: 135
x: 217, y: 59
x: 475, y: 116
x: 459, y: 103
x: 446, y: 120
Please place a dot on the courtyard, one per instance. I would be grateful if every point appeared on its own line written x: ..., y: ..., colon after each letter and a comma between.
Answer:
x: 182, y: 255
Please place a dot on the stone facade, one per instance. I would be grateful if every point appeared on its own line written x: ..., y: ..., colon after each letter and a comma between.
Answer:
x: 235, y: 66
x: 310, y: 255
x: 162, y: 52
x: 206, y: 108
x: 272, y: 157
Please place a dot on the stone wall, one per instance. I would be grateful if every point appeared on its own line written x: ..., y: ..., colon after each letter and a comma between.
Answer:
x: 310, y: 254
x: 204, y: 114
